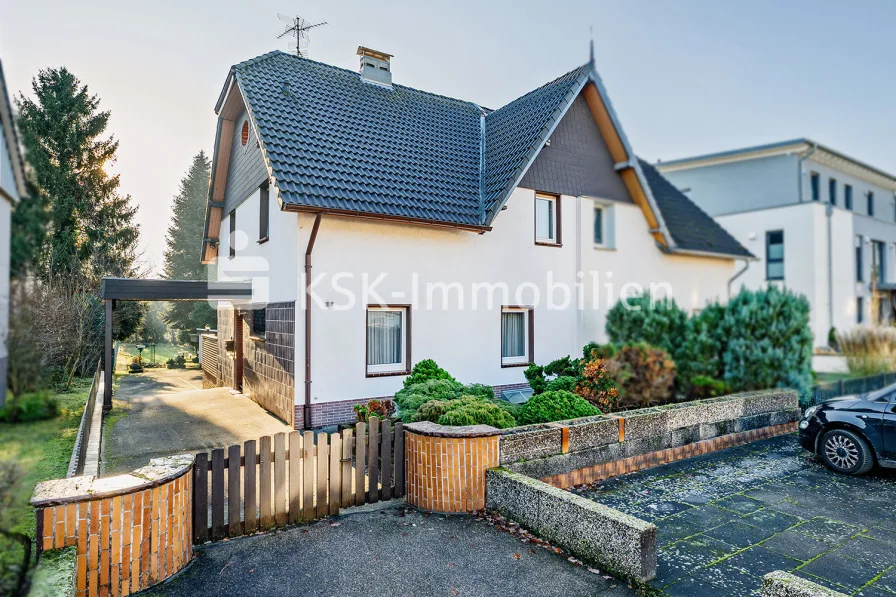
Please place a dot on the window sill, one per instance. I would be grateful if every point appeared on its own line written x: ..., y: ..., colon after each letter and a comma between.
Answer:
x: 387, y: 373
x: 540, y: 243
x: 263, y: 240
x: 257, y: 339
x: 511, y: 365
x: 604, y: 248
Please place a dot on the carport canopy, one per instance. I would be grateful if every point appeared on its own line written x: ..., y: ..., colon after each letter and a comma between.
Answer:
x: 139, y: 289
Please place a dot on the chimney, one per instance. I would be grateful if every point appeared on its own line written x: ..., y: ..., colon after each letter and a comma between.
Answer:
x: 375, y: 67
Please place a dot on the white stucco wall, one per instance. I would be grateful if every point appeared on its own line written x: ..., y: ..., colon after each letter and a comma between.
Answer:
x: 806, y: 257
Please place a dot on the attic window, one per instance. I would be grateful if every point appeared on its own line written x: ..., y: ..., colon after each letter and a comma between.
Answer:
x: 244, y: 134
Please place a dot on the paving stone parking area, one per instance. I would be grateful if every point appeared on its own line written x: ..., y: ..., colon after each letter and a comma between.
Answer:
x: 727, y: 518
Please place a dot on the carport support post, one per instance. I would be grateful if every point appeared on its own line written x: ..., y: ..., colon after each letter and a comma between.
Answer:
x: 107, y: 359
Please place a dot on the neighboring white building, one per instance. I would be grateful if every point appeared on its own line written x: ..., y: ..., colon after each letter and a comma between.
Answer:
x: 12, y: 188
x: 439, y: 205
x: 823, y: 224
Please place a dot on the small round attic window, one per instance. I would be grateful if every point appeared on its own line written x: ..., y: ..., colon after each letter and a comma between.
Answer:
x: 244, y: 134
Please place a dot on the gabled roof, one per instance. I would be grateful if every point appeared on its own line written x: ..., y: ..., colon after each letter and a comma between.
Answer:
x: 692, y: 229
x: 333, y: 143
x: 10, y: 138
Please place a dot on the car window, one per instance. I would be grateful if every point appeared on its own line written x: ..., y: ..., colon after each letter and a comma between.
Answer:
x: 884, y: 395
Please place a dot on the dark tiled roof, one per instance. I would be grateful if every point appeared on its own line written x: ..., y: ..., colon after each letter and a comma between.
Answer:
x: 515, y: 133
x: 335, y: 142
x: 691, y: 228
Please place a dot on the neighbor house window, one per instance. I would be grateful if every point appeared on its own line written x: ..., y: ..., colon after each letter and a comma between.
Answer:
x: 878, y: 260
x: 814, y: 182
x: 860, y: 264
x: 547, y: 219
x: 599, y: 236
x: 832, y: 191
x: 263, y: 207
x: 870, y: 203
x: 232, y: 241
x: 258, y: 323
x: 516, y: 336
x: 847, y: 196
x: 774, y: 255
x: 388, y: 340
x: 244, y: 133
x: 860, y: 309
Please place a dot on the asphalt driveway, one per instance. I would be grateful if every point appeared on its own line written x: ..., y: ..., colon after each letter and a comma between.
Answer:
x: 162, y: 412
x: 396, y: 551
x: 727, y: 518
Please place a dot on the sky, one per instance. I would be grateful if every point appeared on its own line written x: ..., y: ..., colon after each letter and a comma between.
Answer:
x: 685, y: 77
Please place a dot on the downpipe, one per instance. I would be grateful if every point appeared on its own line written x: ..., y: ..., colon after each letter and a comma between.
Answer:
x: 306, y: 409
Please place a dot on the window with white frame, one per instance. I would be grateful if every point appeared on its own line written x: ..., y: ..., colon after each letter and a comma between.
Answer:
x: 600, y: 237
x: 516, y: 336
x: 547, y: 219
x: 387, y: 340
x: 603, y: 235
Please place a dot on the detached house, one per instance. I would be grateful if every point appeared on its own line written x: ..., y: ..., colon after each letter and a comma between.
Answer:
x: 12, y: 188
x: 382, y: 225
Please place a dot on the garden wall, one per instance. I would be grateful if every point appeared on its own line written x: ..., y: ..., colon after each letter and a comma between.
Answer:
x: 619, y: 543
x: 782, y: 584
x: 585, y: 450
x: 129, y: 531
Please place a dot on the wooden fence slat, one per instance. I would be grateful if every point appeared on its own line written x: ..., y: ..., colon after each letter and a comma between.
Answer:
x: 200, y: 498
x: 308, y: 475
x: 218, y: 494
x: 234, y: 501
x: 348, y: 498
x: 373, y: 447
x: 322, y: 467
x: 249, y: 490
x: 399, y: 460
x: 295, y: 477
x: 280, y: 478
x: 360, y: 463
x: 335, y: 496
x: 264, y: 485
x: 386, y: 459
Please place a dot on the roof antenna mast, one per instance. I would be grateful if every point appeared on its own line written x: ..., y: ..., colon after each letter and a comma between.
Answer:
x: 297, y: 27
x: 591, y: 45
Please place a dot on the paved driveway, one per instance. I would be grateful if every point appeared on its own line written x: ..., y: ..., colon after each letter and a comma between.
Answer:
x: 727, y: 518
x: 166, y: 411
x: 397, y: 551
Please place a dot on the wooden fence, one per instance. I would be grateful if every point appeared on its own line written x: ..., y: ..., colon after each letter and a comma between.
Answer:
x: 295, y: 478
x: 848, y: 387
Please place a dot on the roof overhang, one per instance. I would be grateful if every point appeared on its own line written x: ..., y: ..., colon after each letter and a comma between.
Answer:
x: 693, y: 253
x: 290, y: 207
x: 11, y: 139
x: 803, y: 147
x: 136, y: 289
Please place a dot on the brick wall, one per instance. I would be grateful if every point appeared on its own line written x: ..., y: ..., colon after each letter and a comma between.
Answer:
x: 269, y: 365
x: 128, y: 536
x: 446, y: 466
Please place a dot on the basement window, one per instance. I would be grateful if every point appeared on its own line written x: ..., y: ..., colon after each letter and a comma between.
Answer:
x: 388, y: 340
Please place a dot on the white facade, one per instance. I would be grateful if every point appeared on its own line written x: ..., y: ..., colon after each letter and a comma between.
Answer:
x: 445, y: 276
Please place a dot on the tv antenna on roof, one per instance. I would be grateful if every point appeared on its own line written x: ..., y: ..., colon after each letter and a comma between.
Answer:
x: 297, y: 27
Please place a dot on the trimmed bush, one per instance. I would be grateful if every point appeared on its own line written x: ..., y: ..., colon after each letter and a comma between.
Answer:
x: 645, y: 374
x: 702, y: 350
x: 478, y: 389
x: 707, y: 387
x: 432, y: 410
x: 471, y: 410
x: 596, y: 384
x: 555, y: 406
x: 658, y: 322
x: 414, y: 396
x: 426, y: 370
x: 534, y: 374
x: 564, y: 382
x: 538, y: 376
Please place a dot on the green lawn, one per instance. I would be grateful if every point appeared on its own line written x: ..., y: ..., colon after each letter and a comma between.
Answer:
x: 128, y: 350
x: 42, y: 451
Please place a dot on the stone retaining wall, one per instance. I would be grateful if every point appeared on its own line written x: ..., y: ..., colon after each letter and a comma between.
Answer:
x: 130, y: 531
x: 782, y: 584
x: 647, y: 437
x: 599, y: 535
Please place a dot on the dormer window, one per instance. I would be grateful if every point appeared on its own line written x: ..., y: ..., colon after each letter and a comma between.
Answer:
x: 244, y: 134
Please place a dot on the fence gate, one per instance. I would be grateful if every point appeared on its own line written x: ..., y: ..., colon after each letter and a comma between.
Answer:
x: 286, y: 479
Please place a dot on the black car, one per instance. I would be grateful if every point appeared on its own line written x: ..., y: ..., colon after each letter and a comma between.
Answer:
x: 853, y: 433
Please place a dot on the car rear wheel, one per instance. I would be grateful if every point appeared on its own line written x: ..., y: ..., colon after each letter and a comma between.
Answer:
x: 846, y: 452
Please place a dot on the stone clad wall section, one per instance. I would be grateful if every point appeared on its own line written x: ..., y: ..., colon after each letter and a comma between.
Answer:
x: 129, y: 532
